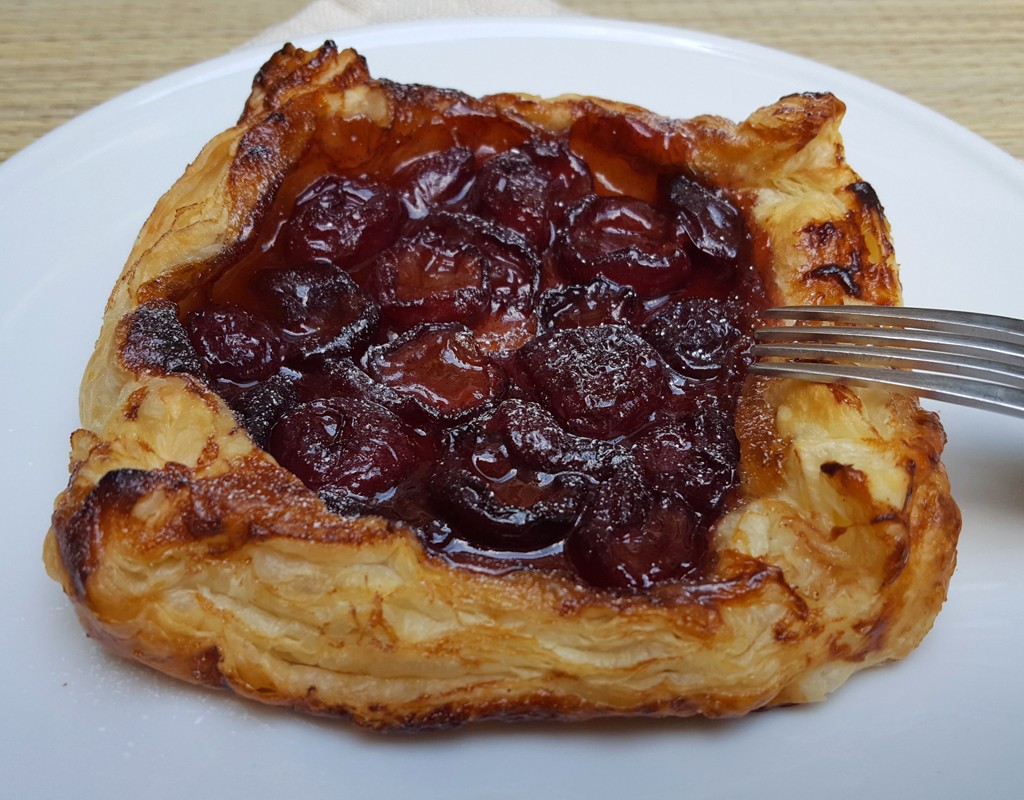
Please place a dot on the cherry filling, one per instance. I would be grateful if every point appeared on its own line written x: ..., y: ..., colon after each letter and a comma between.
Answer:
x: 426, y: 278
x: 629, y: 537
x: 508, y: 502
x: 488, y: 342
x: 696, y: 336
x: 234, y: 345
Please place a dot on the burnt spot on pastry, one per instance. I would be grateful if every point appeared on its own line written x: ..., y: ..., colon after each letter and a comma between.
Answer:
x: 899, y: 553
x: 134, y: 403
x: 845, y: 395
x: 865, y: 194
x: 851, y: 483
x: 846, y: 275
x: 831, y: 468
x: 257, y: 152
x: 873, y: 631
x: 866, y: 637
x: 831, y: 242
x: 155, y: 341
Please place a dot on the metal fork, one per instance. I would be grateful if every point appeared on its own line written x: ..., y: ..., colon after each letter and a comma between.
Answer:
x: 954, y: 356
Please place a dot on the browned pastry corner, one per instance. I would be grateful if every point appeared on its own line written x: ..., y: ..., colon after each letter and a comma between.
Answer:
x: 183, y: 543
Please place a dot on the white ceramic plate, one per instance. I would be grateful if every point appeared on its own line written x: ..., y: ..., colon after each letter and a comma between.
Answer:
x: 944, y: 723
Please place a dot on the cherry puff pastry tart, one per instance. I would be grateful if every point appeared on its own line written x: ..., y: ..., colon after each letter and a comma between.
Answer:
x: 421, y: 409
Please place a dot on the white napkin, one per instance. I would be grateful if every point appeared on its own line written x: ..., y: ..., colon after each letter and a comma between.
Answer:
x: 327, y: 15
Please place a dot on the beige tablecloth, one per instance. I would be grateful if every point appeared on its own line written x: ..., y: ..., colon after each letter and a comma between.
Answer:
x: 963, y: 58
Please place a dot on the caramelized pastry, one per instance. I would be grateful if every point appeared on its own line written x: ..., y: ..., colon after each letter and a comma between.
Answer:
x: 420, y: 408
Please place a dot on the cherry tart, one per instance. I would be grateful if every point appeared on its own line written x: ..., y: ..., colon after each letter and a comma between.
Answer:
x: 422, y: 408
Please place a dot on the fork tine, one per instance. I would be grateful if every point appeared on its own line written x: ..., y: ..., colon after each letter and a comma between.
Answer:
x: 903, y: 358
x: 990, y: 326
x: 964, y: 391
x: 939, y: 341
x: 967, y: 358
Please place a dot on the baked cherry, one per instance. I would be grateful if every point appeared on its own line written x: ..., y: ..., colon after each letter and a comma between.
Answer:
x: 435, y: 179
x: 427, y: 277
x: 569, y: 177
x: 337, y: 377
x: 347, y: 444
x: 695, y: 456
x: 513, y: 191
x: 259, y: 407
x: 233, y: 344
x: 440, y: 368
x: 599, y: 302
x: 342, y: 220
x: 696, y: 336
x: 513, y: 268
x: 497, y: 499
x: 708, y: 218
x: 507, y: 273
x: 535, y: 439
x: 319, y: 307
x: 630, y: 538
x: 341, y: 378
x: 602, y: 381
x: 625, y: 240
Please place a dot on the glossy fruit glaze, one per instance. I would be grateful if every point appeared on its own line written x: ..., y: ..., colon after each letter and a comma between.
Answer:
x: 472, y: 328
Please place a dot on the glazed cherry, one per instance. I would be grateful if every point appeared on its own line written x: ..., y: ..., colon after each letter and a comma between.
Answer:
x: 507, y: 274
x: 696, y: 336
x: 513, y: 268
x: 234, y: 345
x: 534, y: 437
x: 344, y: 444
x: 440, y: 368
x: 708, y: 218
x: 625, y: 240
x: 156, y: 339
x: 342, y: 220
x: 602, y: 382
x: 496, y: 499
x: 429, y: 278
x: 569, y: 177
x: 513, y: 191
x: 695, y: 456
x: 630, y: 538
x: 599, y: 302
x: 319, y: 306
x: 261, y: 406
x: 435, y: 179
x: 341, y: 378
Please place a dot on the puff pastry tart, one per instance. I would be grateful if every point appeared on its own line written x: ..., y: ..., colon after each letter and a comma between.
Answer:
x: 420, y: 409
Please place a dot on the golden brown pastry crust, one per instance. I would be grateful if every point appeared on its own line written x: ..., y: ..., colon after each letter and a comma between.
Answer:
x: 183, y: 545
